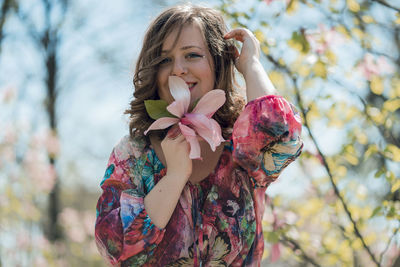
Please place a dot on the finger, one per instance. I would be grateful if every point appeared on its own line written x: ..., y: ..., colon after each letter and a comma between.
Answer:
x: 236, y: 51
x: 173, y: 143
x: 235, y: 34
x: 238, y: 34
x: 173, y: 133
x: 180, y: 138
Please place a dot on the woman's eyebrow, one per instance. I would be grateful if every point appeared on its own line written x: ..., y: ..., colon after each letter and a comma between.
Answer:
x: 190, y: 46
x: 183, y: 48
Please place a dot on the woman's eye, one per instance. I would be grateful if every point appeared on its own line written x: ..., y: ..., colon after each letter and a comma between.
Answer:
x: 193, y: 55
x: 165, y: 61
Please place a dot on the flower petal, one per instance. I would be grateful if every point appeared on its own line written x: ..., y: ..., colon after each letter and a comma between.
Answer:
x: 162, y: 123
x: 207, y: 128
x: 210, y: 102
x: 177, y: 108
x: 191, y: 137
x: 197, y: 120
x: 217, y: 134
x: 181, y: 93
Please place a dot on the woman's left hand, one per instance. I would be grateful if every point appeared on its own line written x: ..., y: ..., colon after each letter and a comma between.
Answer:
x: 248, y: 63
x: 250, y: 52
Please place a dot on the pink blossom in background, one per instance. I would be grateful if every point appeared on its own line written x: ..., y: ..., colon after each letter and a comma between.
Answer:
x: 52, y: 143
x: 40, y: 171
x: 7, y: 150
x: 40, y: 261
x: 272, y: 219
x: 275, y: 252
x: 9, y: 94
x: 392, y: 253
x: 23, y: 239
x: 88, y: 218
x: 7, y: 155
x: 369, y: 66
x: 42, y: 243
x: 276, y: 225
x: 78, y: 225
x: 31, y: 211
x: 323, y: 38
x: 72, y: 221
x: 290, y: 217
x: 48, y: 139
x: 270, y: 1
x: 36, y: 161
x: 76, y: 234
x: 10, y: 134
x: 69, y: 216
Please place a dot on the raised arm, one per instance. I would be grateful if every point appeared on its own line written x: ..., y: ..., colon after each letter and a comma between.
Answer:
x: 248, y: 63
x: 266, y: 138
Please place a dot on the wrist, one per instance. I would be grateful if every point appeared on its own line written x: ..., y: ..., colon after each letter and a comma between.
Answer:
x: 251, y: 65
x: 178, y: 176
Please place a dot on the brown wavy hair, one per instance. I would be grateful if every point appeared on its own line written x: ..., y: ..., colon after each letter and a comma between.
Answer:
x: 222, y: 52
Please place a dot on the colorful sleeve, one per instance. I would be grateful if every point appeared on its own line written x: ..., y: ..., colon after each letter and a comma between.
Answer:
x: 124, y: 232
x: 266, y: 138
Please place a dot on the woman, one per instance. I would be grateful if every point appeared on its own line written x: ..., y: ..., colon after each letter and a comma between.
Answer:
x: 173, y: 197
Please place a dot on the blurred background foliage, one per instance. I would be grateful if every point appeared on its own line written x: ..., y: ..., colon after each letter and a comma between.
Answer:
x: 65, y: 81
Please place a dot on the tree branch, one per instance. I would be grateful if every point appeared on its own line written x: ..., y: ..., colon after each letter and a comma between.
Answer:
x: 388, y: 245
x: 331, y: 179
x: 386, y: 134
x: 6, y: 6
x: 323, y: 158
x: 387, y: 5
x: 296, y: 247
x: 293, y: 245
x: 303, y: 111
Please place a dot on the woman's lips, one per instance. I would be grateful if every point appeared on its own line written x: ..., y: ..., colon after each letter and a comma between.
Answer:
x: 191, y: 85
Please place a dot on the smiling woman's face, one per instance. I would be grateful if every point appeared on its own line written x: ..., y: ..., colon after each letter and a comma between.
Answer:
x: 188, y: 59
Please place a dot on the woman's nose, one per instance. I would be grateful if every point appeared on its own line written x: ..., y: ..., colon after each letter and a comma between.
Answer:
x: 178, y: 68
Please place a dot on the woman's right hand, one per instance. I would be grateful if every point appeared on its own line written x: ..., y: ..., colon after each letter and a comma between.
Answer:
x: 176, y: 152
x: 161, y: 201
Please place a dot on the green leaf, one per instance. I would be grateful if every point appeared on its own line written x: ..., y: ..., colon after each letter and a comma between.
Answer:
x: 391, y: 213
x: 376, y: 211
x: 157, y: 109
x: 380, y: 172
x: 300, y: 38
x: 272, y: 237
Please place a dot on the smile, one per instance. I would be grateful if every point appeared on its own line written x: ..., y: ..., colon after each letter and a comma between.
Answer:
x: 191, y: 85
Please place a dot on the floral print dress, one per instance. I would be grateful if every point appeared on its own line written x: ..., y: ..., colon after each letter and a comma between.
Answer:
x: 216, y: 222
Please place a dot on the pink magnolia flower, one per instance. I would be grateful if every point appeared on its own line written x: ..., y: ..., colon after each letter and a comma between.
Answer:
x: 324, y: 38
x: 196, y: 123
x: 369, y: 66
x: 270, y: 1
